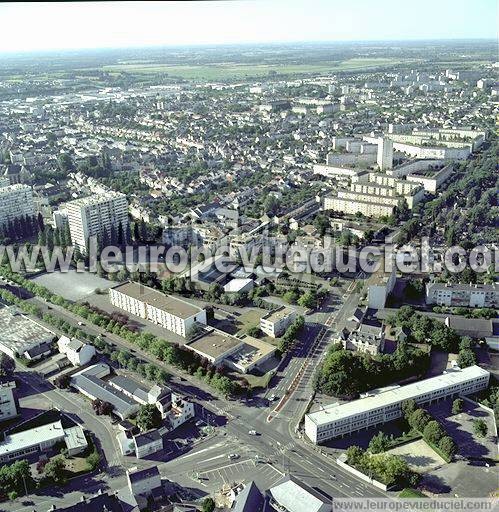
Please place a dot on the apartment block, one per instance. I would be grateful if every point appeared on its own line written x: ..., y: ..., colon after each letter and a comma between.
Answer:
x: 16, y: 201
x: 98, y: 215
x: 383, y: 405
x: 463, y: 295
x: 169, y: 312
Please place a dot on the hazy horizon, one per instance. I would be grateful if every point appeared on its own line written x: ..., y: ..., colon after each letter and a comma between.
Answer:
x: 69, y: 27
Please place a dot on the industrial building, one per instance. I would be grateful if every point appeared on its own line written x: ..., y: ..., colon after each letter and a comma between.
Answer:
x: 383, y: 405
x: 20, y: 334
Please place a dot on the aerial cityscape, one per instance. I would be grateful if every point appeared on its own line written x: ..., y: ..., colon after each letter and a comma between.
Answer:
x: 249, y: 256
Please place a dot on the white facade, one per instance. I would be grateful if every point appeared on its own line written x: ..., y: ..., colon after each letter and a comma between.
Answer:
x: 171, y: 313
x: 463, y: 295
x: 96, y: 215
x: 15, y: 201
x: 380, y: 284
x: 384, y: 156
x: 77, y: 352
x: 8, y: 405
x: 383, y: 405
x: 40, y: 439
x: 276, y: 322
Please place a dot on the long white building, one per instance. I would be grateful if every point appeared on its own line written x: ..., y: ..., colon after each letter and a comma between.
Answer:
x: 171, y: 313
x: 463, y: 295
x: 383, y: 405
x: 96, y: 215
x: 15, y: 201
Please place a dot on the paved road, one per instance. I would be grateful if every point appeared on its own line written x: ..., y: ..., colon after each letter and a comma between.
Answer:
x: 277, y: 438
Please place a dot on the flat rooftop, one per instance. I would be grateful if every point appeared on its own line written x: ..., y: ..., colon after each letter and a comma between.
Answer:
x: 278, y: 314
x: 172, y: 305
x: 32, y: 437
x: 20, y: 333
x: 250, y: 352
x: 215, y: 344
x: 381, y: 398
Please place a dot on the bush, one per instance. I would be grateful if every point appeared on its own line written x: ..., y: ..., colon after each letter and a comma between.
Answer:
x: 457, y: 406
x: 93, y: 459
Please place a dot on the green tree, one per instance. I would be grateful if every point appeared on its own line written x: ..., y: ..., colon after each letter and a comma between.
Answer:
x: 433, y: 432
x: 7, y: 365
x: 457, y: 406
x: 148, y: 417
x: 480, y: 427
x: 354, y: 455
x: 379, y: 443
x: 55, y: 469
x: 208, y: 505
x: 466, y: 358
x: 448, y: 446
x: 419, y: 419
x: 408, y: 407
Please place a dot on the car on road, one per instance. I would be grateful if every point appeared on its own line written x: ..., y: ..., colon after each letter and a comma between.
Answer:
x: 199, y: 423
x: 253, y: 433
x: 81, y: 323
x: 273, y: 398
x: 233, y: 456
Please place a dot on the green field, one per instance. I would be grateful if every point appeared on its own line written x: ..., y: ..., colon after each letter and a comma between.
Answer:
x: 227, y: 71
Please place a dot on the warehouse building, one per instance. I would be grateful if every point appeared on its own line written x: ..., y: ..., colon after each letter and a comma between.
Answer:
x: 383, y: 405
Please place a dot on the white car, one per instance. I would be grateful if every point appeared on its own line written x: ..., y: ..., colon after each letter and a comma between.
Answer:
x: 252, y: 433
x: 233, y: 456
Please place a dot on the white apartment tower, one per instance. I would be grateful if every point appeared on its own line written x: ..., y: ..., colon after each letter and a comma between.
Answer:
x: 94, y: 215
x: 16, y: 201
x: 385, y: 154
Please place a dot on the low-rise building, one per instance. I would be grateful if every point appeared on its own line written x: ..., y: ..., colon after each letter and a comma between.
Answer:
x: 90, y: 383
x: 21, y: 334
x: 40, y: 439
x: 147, y: 443
x: 8, y: 402
x: 463, y: 295
x: 291, y: 495
x: 383, y: 405
x: 171, y: 313
x: 275, y: 323
x: 240, y: 354
x: 76, y: 351
x: 366, y: 338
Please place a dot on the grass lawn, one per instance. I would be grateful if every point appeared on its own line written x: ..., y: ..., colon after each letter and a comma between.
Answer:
x: 411, y: 493
x: 77, y: 466
x: 231, y: 70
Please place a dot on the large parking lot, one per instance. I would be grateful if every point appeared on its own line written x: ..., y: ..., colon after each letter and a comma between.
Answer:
x: 73, y: 285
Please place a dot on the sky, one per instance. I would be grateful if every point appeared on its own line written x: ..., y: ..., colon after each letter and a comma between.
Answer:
x: 65, y: 26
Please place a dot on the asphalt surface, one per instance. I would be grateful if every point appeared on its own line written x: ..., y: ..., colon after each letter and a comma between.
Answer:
x: 276, y: 443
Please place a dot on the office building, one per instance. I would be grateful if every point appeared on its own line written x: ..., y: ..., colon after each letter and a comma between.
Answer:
x: 99, y: 216
x: 16, y: 201
x: 463, y: 295
x: 383, y: 405
x: 275, y: 323
x: 169, y: 312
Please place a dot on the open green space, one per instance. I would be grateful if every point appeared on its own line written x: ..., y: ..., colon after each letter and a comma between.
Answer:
x: 231, y: 70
